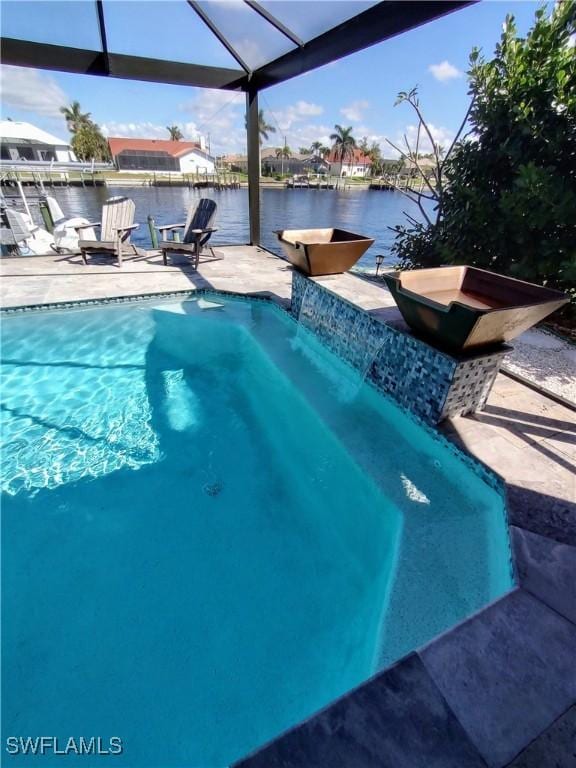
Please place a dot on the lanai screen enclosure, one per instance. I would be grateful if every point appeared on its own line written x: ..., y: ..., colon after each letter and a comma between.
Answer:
x: 269, y: 42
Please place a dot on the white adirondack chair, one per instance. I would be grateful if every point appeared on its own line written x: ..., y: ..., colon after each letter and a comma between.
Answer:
x: 115, y: 229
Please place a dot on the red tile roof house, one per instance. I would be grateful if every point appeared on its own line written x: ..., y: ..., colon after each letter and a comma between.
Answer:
x: 160, y: 155
x: 356, y: 164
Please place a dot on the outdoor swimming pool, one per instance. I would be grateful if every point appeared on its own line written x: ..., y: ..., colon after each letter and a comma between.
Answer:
x: 212, y: 528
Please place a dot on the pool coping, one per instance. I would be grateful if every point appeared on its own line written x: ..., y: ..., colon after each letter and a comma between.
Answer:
x: 526, y: 574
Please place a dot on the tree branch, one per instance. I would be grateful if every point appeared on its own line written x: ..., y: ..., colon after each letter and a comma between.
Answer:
x: 457, y: 136
x: 416, y: 201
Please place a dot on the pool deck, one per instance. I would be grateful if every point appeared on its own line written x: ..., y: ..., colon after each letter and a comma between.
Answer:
x: 50, y: 279
x: 498, y: 690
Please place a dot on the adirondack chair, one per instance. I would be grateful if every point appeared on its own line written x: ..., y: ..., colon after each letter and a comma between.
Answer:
x: 19, y: 236
x: 115, y: 230
x: 13, y: 230
x: 197, y: 232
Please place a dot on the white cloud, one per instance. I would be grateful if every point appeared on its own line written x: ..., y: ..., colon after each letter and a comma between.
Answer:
x: 146, y: 130
x: 444, y: 71
x: 303, y: 136
x: 249, y: 51
x: 190, y: 131
x: 32, y: 91
x: 220, y: 114
x: 442, y: 136
x: 355, y: 111
x: 295, y: 113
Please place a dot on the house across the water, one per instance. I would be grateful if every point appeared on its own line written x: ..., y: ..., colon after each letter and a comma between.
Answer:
x: 24, y: 141
x: 160, y: 155
x: 272, y: 162
x: 355, y: 164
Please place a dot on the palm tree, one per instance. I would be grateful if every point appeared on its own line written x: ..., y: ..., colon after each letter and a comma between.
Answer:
x: 375, y: 155
x: 175, y: 132
x: 264, y: 128
x: 316, y: 147
x: 344, y: 143
x: 283, y: 152
x: 74, y: 117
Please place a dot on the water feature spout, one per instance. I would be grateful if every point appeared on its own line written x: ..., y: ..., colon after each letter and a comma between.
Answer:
x: 370, y: 357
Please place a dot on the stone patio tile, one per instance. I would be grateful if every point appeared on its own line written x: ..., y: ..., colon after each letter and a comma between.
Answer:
x: 244, y: 269
x: 547, y: 515
x: 396, y: 720
x: 363, y: 293
x: 521, y: 432
x: 507, y: 673
x: 547, y: 569
x: 475, y: 428
x: 504, y: 386
x: 563, y: 445
x: 528, y: 466
x: 532, y: 407
x: 555, y: 748
x: 531, y: 418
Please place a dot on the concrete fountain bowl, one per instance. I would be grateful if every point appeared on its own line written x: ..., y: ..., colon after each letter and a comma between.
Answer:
x: 322, y: 251
x: 462, y: 308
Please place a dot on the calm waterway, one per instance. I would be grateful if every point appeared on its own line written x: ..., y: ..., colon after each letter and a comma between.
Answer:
x: 368, y: 212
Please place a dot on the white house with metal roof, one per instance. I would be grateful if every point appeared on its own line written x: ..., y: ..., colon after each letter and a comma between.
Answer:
x: 24, y: 141
x: 160, y: 155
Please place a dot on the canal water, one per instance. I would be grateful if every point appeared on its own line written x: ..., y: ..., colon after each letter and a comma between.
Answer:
x: 368, y: 212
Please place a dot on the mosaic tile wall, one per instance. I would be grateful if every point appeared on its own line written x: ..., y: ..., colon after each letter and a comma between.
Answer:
x: 430, y: 383
x: 472, y: 382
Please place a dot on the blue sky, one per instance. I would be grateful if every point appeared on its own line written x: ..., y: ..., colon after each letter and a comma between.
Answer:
x: 359, y: 91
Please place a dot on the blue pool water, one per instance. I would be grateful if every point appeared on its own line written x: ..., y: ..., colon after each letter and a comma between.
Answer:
x: 212, y: 528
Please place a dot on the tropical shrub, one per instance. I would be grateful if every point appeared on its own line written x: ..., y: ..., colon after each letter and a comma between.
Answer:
x: 509, y: 197
x: 89, y: 144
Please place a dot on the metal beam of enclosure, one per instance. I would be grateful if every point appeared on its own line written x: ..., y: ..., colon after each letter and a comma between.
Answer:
x: 382, y: 21
x: 102, y: 31
x: 197, y: 8
x: 276, y: 23
x: 79, y: 61
x: 253, y: 136
x: 376, y: 24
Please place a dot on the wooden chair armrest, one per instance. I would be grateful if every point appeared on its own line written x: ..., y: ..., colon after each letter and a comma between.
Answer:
x: 89, y: 224
x: 165, y: 227
x: 126, y: 229
x: 202, y: 231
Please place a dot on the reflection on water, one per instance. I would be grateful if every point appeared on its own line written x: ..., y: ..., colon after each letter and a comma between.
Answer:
x: 367, y: 212
x: 71, y: 408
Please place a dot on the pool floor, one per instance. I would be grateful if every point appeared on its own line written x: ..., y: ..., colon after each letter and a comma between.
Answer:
x: 212, y: 528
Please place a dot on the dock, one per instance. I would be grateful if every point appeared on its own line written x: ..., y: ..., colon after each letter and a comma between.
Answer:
x: 316, y: 182
x: 45, y: 175
x: 397, y: 181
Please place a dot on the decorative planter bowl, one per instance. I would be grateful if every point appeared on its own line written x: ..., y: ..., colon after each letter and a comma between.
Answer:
x: 460, y: 308
x: 322, y: 251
